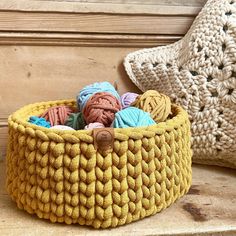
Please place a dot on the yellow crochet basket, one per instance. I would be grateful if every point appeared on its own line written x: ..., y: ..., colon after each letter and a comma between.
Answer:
x: 68, y: 176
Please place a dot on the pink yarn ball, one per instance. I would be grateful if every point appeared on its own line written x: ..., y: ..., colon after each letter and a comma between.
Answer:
x: 94, y: 125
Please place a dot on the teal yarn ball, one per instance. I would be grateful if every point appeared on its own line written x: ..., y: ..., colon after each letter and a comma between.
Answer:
x: 91, y: 89
x: 132, y: 117
x: 76, y: 121
x: 39, y: 121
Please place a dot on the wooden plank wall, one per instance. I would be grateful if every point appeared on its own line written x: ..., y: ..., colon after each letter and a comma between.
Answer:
x: 50, y: 49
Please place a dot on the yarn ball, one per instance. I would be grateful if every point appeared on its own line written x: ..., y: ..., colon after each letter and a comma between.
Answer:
x: 101, y: 107
x: 128, y: 98
x: 57, y: 115
x: 61, y: 127
x: 39, y: 121
x: 132, y: 117
x: 76, y: 121
x: 157, y: 104
x: 94, y: 125
x: 91, y: 89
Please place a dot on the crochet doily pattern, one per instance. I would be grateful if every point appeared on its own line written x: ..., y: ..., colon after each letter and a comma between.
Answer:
x: 199, y: 73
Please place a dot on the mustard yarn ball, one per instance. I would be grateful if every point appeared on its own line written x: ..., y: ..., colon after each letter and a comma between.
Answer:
x: 157, y: 104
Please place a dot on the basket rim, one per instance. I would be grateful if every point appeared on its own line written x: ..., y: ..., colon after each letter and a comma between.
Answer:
x: 16, y: 118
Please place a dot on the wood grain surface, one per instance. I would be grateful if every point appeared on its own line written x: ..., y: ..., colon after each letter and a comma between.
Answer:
x: 79, y: 23
x: 138, y: 2
x: 33, y: 74
x: 208, y: 209
x: 95, y: 23
x: 3, y: 142
x: 150, y: 7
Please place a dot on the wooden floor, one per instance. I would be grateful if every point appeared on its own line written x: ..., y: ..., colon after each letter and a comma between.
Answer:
x: 208, y: 209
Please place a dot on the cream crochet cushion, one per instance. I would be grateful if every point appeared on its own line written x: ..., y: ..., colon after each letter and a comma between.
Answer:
x: 199, y: 72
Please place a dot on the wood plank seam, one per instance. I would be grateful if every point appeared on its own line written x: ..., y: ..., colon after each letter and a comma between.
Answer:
x: 98, y: 40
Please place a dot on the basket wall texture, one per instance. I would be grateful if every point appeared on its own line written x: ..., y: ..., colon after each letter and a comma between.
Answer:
x: 63, y: 177
x: 199, y: 73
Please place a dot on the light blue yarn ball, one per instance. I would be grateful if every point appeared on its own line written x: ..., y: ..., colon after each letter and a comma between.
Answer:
x: 39, y: 121
x: 91, y: 89
x: 132, y: 117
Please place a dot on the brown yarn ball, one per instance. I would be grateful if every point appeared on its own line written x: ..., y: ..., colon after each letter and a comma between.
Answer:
x: 101, y: 107
x: 157, y: 104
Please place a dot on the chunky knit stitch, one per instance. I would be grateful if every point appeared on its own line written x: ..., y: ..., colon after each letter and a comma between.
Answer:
x: 61, y: 176
x: 199, y: 72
